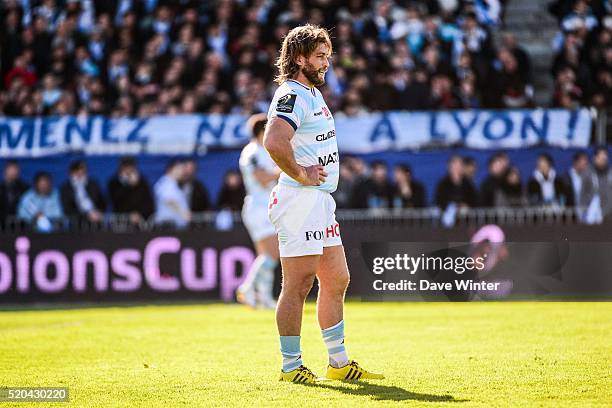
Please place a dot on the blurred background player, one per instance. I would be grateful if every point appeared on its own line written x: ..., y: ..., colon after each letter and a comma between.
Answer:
x: 260, y: 175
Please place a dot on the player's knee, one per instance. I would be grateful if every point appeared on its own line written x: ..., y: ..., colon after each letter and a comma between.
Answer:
x: 346, y: 279
x: 305, y: 285
x: 299, y: 286
x: 343, y: 282
x: 337, y: 285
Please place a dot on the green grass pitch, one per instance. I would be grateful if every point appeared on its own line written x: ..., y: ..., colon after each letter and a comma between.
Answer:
x: 433, y: 354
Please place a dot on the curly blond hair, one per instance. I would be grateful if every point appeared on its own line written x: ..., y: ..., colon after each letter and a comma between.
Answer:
x: 302, y: 40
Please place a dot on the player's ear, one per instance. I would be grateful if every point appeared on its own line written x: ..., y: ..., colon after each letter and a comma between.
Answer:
x: 300, y: 60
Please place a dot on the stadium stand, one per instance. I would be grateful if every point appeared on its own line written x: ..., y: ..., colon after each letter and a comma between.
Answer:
x: 159, y: 57
x: 133, y: 58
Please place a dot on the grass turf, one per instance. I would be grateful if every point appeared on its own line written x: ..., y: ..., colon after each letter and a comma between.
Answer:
x: 453, y: 354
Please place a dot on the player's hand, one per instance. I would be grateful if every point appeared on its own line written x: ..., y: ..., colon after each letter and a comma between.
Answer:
x: 313, y: 175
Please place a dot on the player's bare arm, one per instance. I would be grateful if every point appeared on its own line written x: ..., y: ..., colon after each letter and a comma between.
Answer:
x: 277, y: 141
x: 264, y: 177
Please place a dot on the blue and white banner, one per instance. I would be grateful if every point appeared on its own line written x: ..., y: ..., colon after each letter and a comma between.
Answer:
x: 185, y: 134
x: 477, y: 129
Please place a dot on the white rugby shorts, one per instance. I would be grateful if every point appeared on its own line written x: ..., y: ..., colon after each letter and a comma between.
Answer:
x: 255, y: 219
x: 304, y: 219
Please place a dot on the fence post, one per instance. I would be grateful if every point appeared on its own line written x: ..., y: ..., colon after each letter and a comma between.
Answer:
x: 601, y: 124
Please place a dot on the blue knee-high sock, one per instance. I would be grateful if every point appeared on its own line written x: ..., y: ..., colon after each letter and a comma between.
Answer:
x: 264, y: 282
x: 252, y: 274
x: 292, y: 355
x: 334, y: 341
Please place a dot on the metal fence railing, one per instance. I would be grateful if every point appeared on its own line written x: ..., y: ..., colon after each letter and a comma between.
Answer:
x: 226, y: 220
x: 471, y: 216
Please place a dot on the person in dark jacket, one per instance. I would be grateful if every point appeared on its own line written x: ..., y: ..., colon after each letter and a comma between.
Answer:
x: 130, y: 193
x: 491, y: 185
x: 574, y: 179
x: 597, y: 183
x: 544, y: 187
x: 510, y: 192
x: 408, y: 193
x: 197, y: 194
x: 11, y: 190
x: 82, y: 196
x: 375, y: 191
x: 455, y: 187
x: 232, y: 192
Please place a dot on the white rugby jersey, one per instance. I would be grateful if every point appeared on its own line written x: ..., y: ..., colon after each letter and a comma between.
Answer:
x: 314, y: 141
x: 252, y: 157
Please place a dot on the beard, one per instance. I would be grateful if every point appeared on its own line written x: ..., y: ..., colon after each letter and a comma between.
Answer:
x: 313, y: 75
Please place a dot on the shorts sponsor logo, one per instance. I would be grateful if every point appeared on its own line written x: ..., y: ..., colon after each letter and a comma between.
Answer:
x: 328, y: 159
x: 332, y: 231
x: 325, y: 136
x: 314, y: 235
x: 286, y: 103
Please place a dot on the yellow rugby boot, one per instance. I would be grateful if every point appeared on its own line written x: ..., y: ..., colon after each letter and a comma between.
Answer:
x: 300, y: 375
x: 351, y: 371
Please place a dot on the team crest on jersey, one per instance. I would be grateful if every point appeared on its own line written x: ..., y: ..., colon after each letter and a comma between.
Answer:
x: 286, y: 103
x: 326, y: 112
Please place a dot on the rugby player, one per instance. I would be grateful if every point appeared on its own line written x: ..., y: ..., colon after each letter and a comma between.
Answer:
x: 301, y: 138
x: 260, y: 175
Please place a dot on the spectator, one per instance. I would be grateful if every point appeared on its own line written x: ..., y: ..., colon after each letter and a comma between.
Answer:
x: 130, y: 193
x: 544, y: 187
x: 379, y: 25
x: 514, y: 89
x: 567, y: 93
x: 510, y: 191
x: 467, y: 95
x: 81, y: 196
x: 196, y: 193
x: 474, y: 39
x: 488, y: 11
x: 523, y: 62
x: 581, y: 12
x: 21, y: 72
x: 11, y: 190
x: 442, y: 96
x: 408, y: 193
x: 597, y: 184
x: 498, y: 166
x: 40, y: 205
x: 375, y: 191
x: 416, y: 94
x: 455, y: 187
x: 469, y: 169
x: 574, y: 178
x: 171, y: 203
x: 232, y: 192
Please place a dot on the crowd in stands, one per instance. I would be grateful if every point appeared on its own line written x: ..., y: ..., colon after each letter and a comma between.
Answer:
x: 582, y: 66
x: 177, y: 195
x: 150, y: 57
x: 586, y: 183
x: 141, y: 58
x: 171, y: 200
